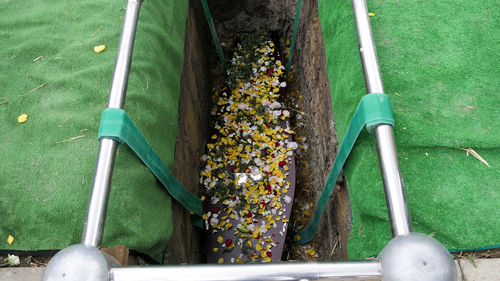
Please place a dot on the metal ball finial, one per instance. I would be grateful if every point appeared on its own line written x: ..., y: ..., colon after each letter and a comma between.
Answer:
x: 416, y: 257
x: 77, y: 263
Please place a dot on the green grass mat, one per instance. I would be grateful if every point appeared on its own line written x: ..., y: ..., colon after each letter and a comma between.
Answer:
x: 439, y: 61
x: 50, y: 72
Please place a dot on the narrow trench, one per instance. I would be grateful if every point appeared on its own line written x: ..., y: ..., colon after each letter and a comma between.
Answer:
x: 307, y: 99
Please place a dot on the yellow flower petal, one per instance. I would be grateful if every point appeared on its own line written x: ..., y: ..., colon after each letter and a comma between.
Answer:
x: 10, y: 239
x: 311, y: 252
x: 221, y: 260
x: 99, y: 49
x: 22, y: 118
x: 371, y: 14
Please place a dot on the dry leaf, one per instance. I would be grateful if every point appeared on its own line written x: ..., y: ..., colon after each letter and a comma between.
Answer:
x: 475, y: 154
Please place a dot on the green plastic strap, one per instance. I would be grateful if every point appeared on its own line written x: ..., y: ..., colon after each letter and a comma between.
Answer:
x: 294, y: 34
x: 374, y: 109
x: 214, y: 34
x: 116, y: 124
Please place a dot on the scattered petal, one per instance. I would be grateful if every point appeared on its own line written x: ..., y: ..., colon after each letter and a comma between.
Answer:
x: 10, y: 239
x: 13, y: 260
x: 99, y: 49
x: 22, y: 118
x: 311, y: 252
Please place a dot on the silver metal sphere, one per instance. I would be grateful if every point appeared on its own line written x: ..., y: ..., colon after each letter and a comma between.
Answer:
x: 77, y: 263
x: 415, y: 257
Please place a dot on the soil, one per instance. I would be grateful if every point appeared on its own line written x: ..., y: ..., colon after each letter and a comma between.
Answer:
x: 197, y: 79
x: 28, y: 261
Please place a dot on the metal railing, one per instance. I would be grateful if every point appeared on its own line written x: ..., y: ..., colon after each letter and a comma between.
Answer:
x: 406, y: 257
x: 384, y: 138
x: 98, y: 202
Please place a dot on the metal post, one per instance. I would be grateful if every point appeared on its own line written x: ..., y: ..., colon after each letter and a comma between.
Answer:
x: 96, y: 213
x: 384, y: 139
x: 252, y: 272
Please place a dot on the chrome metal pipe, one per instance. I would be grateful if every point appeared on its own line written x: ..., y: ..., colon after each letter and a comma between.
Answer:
x: 124, y: 58
x: 367, y: 50
x: 393, y: 182
x: 252, y: 272
x: 98, y: 202
x: 384, y: 139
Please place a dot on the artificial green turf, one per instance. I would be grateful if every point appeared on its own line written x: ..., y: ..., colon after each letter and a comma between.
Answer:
x: 45, y: 185
x: 439, y: 62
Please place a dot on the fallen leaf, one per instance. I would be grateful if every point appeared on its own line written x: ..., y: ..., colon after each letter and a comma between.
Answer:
x: 475, y: 154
